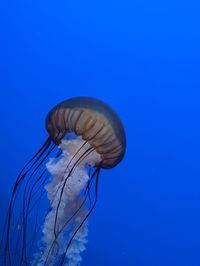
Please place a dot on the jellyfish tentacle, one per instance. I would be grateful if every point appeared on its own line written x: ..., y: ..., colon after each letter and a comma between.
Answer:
x: 18, y: 183
x: 25, y: 211
x: 67, y: 178
x: 20, y: 177
x: 36, y: 230
x: 88, y: 187
x: 61, y: 193
x: 86, y: 194
x: 71, y: 198
x: 83, y: 221
x: 37, y: 156
x: 24, y: 253
x: 31, y: 194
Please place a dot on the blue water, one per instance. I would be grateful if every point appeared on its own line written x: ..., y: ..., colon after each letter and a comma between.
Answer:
x: 142, y: 58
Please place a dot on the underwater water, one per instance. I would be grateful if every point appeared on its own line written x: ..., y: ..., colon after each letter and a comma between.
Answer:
x: 142, y: 58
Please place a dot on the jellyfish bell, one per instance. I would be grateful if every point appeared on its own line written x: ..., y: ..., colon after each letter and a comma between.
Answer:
x: 95, y: 122
x: 70, y: 181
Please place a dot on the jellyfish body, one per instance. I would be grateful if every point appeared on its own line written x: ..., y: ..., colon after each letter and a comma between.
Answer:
x: 95, y: 122
x: 70, y: 181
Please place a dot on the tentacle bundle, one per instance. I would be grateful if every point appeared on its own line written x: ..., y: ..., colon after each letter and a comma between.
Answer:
x: 67, y: 193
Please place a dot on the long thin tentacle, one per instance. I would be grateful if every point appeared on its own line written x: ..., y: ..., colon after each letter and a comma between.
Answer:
x: 62, y: 261
x: 20, y: 177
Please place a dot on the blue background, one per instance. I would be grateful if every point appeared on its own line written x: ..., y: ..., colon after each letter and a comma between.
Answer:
x: 141, y: 57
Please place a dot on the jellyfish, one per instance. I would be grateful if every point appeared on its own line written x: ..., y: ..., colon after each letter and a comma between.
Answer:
x: 57, y: 190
